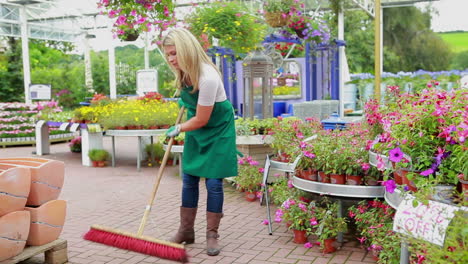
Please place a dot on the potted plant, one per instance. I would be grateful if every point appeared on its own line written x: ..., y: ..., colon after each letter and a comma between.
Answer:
x: 249, y: 178
x: 230, y: 22
x: 277, y: 12
x: 134, y: 17
x: 374, y: 229
x: 312, y: 29
x: 75, y: 145
x: 329, y: 225
x: 98, y: 157
x: 299, y: 216
x: 282, y: 189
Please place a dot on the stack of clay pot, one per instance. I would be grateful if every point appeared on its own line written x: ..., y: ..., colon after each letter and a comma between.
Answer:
x: 30, y: 213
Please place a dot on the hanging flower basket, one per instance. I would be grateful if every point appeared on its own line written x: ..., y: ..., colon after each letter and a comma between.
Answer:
x: 276, y: 19
x: 131, y: 36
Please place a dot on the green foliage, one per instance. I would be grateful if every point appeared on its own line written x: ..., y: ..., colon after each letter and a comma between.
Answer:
x: 98, y: 154
x: 230, y: 22
x: 329, y: 224
x: 456, y: 40
x: 460, y: 61
x: 250, y: 175
x: 455, y: 246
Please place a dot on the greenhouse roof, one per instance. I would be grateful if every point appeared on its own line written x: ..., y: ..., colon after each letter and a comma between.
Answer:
x: 65, y: 20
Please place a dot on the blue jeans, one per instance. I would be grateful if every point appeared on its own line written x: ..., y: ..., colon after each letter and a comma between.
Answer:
x: 190, y: 193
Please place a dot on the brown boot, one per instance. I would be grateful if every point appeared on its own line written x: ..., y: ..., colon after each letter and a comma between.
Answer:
x: 212, y: 225
x: 186, y: 232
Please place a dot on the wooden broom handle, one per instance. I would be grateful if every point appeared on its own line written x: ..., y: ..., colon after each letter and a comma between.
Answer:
x: 159, y: 176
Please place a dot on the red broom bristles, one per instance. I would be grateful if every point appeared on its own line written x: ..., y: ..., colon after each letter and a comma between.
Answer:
x: 135, y: 244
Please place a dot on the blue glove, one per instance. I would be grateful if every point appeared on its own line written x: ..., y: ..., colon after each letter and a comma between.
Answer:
x: 181, y: 103
x: 173, y: 131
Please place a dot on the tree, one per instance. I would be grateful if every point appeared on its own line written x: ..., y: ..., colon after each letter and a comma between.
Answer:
x: 11, y: 73
x: 407, y: 33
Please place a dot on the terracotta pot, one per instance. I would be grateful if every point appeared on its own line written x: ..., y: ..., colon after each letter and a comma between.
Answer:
x: 310, y: 174
x: 47, y: 178
x: 15, y: 183
x: 397, y: 175
x: 95, y: 163
x: 337, y: 178
x: 375, y: 254
x: 323, y: 177
x: 407, y: 182
x: 464, y: 188
x: 14, y: 230
x: 299, y: 173
x: 300, y: 236
x: 353, y: 179
x: 250, y: 196
x: 329, y: 245
x: 47, y: 222
x: 101, y: 163
x: 164, y: 126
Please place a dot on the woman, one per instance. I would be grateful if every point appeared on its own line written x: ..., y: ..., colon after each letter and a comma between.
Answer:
x: 210, y: 138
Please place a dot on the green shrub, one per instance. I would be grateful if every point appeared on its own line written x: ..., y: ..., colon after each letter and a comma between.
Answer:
x: 98, y: 154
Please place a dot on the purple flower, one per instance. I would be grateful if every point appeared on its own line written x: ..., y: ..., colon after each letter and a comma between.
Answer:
x: 427, y: 172
x: 390, y: 185
x: 396, y: 155
x: 406, y: 188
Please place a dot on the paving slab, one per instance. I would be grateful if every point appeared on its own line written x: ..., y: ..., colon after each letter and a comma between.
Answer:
x: 116, y: 197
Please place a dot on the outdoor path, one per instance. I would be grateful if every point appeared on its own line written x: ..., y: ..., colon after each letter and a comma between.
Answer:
x: 116, y: 198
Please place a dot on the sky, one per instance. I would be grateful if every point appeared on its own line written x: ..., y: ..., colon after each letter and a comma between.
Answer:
x: 453, y: 15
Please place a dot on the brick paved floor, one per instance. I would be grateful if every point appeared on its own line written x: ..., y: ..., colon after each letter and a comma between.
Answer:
x: 116, y: 197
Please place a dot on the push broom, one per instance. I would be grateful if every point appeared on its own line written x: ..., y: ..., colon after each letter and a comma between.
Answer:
x: 138, y: 242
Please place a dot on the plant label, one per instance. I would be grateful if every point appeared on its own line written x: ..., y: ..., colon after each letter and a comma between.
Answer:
x: 427, y: 222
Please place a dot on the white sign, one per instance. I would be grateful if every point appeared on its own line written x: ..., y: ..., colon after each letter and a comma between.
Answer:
x: 147, y: 81
x: 427, y: 222
x: 40, y: 91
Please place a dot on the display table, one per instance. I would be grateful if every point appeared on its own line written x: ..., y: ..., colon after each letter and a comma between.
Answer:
x: 133, y: 133
x: 177, y: 150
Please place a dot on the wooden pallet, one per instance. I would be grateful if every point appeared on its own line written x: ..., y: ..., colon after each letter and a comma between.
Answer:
x: 55, y: 253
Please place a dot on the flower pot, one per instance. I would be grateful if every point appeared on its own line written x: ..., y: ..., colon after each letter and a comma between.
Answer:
x: 464, y: 188
x: 337, y: 178
x: 397, y: 175
x: 47, y: 222
x: 407, y: 182
x: 95, y: 163
x: 299, y: 33
x: 14, y: 230
x: 375, y: 254
x: 353, y: 179
x: 101, y: 163
x: 443, y: 193
x: 323, y: 177
x: 15, y: 183
x: 130, y: 36
x: 299, y: 173
x: 310, y: 174
x: 300, y: 236
x: 250, y: 196
x: 329, y: 245
x: 276, y: 19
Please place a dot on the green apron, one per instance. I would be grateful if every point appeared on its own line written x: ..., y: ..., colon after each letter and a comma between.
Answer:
x: 210, y: 151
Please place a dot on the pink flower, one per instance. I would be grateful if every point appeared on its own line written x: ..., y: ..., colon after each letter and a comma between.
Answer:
x: 308, y: 245
x: 265, y: 222
x: 396, y: 155
x: 313, y: 221
x: 390, y: 185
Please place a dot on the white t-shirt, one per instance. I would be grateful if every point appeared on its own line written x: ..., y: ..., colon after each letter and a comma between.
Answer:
x: 210, y: 86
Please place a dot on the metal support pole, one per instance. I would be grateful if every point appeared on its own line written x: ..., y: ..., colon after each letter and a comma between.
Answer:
x: 25, y: 53
x: 377, y: 49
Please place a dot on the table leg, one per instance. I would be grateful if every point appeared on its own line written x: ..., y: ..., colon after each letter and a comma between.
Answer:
x: 180, y: 165
x: 139, y: 153
x: 340, y: 214
x: 404, y: 255
x: 113, y: 151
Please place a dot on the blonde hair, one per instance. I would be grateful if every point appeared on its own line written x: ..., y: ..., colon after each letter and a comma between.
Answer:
x: 190, y: 57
